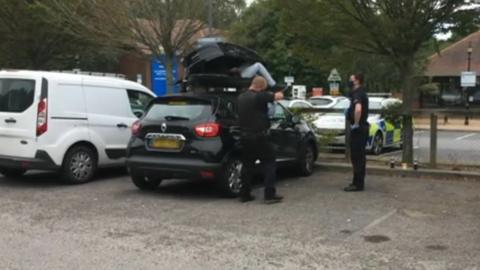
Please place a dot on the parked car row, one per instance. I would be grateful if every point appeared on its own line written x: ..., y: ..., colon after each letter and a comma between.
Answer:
x: 75, y: 124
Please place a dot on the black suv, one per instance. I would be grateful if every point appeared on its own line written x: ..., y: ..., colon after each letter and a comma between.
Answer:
x: 195, y: 135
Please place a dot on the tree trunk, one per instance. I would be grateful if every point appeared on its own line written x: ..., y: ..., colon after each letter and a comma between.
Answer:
x: 406, y: 76
x: 169, y: 70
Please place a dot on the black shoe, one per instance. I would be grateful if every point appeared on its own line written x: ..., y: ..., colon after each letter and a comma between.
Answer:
x: 247, y: 198
x: 352, y: 188
x: 273, y: 199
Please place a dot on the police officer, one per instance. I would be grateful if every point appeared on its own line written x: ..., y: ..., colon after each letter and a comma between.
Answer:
x: 254, y: 124
x: 357, y: 114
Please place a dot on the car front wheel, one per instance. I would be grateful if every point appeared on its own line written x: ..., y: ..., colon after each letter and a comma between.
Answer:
x: 307, y: 161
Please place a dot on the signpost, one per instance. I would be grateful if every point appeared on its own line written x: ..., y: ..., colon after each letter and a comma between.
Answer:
x: 289, y: 80
x: 334, y: 79
x: 468, y: 79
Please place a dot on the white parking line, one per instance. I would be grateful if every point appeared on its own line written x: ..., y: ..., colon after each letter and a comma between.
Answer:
x: 466, y: 136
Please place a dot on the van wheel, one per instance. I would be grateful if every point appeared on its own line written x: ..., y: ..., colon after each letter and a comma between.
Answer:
x: 12, y: 173
x: 79, y: 165
x: 377, y: 144
x: 231, y: 180
x: 307, y: 161
x: 145, y: 182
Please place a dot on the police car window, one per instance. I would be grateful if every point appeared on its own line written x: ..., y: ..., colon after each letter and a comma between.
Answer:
x: 343, y: 104
x: 320, y: 101
x: 16, y: 95
x: 375, y: 105
x: 138, y: 102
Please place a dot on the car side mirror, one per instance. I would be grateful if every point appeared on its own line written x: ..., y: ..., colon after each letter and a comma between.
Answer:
x: 139, y: 114
x: 296, y: 119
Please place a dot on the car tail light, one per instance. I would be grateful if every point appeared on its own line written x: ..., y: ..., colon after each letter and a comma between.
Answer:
x: 42, y: 117
x: 207, y: 130
x: 136, y: 128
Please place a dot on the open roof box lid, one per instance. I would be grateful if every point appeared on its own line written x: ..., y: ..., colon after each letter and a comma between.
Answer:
x: 209, y: 65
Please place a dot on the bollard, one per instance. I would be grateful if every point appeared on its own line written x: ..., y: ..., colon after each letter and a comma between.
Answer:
x: 445, y: 120
x: 433, y: 140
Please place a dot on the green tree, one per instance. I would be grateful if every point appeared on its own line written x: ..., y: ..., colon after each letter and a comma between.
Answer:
x: 301, y: 38
x: 31, y: 39
x: 397, y: 29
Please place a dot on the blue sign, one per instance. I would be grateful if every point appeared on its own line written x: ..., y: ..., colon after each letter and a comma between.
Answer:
x: 159, y: 77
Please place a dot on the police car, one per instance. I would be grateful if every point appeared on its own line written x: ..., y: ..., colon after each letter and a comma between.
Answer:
x: 383, y: 134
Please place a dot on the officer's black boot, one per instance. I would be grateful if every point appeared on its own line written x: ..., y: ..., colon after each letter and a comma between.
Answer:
x: 271, y: 196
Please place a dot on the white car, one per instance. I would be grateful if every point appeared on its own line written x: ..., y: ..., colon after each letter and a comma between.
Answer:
x: 325, y: 102
x: 382, y: 133
x: 66, y: 122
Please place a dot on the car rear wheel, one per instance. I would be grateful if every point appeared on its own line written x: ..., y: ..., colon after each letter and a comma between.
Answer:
x: 79, y: 165
x: 377, y: 144
x: 307, y: 160
x: 12, y: 173
x: 145, y: 182
x: 231, y: 182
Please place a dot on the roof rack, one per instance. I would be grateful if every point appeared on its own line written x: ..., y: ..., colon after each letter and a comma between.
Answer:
x: 91, y: 73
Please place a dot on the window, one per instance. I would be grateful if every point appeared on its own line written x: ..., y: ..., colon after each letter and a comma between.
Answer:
x: 342, y: 104
x: 279, y: 113
x: 138, y: 102
x: 179, y: 109
x: 16, y: 95
x: 320, y: 101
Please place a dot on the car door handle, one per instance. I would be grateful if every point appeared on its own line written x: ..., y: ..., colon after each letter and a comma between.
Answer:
x: 122, y: 125
x: 10, y: 121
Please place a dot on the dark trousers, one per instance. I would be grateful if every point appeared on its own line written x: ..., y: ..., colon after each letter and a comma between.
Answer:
x: 257, y: 147
x: 358, y: 142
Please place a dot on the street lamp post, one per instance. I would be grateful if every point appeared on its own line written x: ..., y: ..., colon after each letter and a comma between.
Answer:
x: 469, y: 62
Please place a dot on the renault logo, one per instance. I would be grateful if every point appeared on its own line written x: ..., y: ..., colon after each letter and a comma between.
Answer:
x: 163, y: 127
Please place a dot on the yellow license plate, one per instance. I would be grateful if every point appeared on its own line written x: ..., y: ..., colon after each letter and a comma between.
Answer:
x: 165, y: 144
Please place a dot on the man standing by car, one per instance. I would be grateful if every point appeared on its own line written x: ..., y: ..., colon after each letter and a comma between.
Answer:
x: 254, y: 125
x: 357, y: 114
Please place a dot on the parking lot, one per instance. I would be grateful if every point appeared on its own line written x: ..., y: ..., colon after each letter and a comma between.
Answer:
x: 398, y: 223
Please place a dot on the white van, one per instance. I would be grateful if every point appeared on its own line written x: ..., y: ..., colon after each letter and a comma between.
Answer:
x: 66, y: 122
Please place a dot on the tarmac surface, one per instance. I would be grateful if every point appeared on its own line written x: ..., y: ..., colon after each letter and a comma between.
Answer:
x: 397, y: 223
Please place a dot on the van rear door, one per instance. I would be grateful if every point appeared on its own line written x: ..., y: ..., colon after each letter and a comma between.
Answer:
x: 19, y: 98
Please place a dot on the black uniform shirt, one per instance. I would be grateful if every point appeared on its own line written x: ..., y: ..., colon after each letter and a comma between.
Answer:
x: 253, y: 111
x: 358, y: 96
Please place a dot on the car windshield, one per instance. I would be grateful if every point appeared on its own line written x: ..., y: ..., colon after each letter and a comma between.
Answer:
x: 284, y: 102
